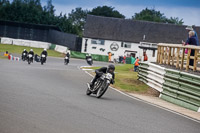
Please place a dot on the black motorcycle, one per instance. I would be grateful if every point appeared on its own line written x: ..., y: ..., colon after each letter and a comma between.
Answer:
x: 43, y: 59
x: 24, y: 56
x: 100, y: 86
x: 30, y: 58
x: 89, y: 61
x: 66, y: 60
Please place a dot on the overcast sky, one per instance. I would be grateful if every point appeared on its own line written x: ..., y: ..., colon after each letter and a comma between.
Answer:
x: 188, y: 10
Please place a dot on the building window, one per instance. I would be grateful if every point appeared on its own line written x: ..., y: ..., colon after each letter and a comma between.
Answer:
x: 126, y: 45
x: 153, y: 53
x: 97, y: 41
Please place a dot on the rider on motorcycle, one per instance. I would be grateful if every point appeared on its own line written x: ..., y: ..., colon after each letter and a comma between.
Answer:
x: 88, y: 56
x: 44, y: 52
x: 24, y: 52
x: 32, y: 53
x: 67, y: 55
x: 110, y: 69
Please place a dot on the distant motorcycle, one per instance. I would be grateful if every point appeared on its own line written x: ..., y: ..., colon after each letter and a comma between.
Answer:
x: 43, y: 59
x: 24, y: 56
x: 30, y: 58
x: 100, y: 86
x: 66, y: 60
x: 89, y: 61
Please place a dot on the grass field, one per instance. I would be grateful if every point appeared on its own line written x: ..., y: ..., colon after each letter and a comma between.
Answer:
x: 18, y: 50
x: 126, y: 79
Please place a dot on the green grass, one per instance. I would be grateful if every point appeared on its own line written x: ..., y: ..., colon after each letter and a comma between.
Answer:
x: 126, y: 79
x: 18, y: 50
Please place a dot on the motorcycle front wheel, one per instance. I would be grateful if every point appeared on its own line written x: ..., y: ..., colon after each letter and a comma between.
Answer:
x: 102, y: 89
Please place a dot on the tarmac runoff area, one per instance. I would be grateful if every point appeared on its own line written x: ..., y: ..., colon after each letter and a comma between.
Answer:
x: 156, y: 101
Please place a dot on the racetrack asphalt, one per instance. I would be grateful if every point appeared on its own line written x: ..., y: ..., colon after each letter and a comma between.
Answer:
x: 51, y: 98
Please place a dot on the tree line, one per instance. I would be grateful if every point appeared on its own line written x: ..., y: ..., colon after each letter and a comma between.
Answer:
x: 31, y: 11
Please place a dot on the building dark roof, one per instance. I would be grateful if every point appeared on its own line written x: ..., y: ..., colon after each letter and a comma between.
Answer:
x: 133, y: 30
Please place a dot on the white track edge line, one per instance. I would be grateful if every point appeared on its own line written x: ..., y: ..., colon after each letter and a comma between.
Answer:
x: 138, y: 99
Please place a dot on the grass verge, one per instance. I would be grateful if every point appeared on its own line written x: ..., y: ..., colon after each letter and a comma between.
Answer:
x: 18, y: 50
x: 126, y: 80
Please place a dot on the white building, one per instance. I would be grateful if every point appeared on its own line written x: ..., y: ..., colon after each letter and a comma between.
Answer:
x: 127, y: 37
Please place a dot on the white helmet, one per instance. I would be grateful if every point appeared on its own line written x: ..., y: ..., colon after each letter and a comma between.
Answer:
x: 45, y: 49
x: 89, y: 54
x: 24, y: 49
x: 31, y: 50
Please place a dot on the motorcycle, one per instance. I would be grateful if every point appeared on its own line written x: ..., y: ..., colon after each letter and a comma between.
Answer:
x: 30, y: 58
x: 24, y: 56
x: 66, y: 60
x: 43, y: 59
x: 89, y: 61
x: 100, y: 86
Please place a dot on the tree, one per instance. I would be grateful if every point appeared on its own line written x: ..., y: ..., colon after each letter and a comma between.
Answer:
x: 106, y: 11
x: 78, y: 17
x: 155, y: 16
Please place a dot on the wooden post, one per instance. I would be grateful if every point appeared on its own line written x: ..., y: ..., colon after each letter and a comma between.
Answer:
x: 158, y: 54
x: 182, y: 58
x: 188, y: 59
x: 195, y: 60
x: 169, y: 56
x: 173, y: 56
x: 161, y: 55
x: 177, y: 58
x: 165, y: 56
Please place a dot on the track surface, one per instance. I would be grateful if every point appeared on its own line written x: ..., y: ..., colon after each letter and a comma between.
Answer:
x: 51, y: 99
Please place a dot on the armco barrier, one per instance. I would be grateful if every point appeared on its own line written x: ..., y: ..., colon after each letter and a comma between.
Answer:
x: 182, y: 89
x: 152, y: 75
x: 177, y: 87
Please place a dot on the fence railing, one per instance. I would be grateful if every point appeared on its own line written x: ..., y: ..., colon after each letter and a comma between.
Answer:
x: 176, y: 55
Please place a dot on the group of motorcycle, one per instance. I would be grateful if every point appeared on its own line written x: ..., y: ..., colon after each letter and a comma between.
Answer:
x: 29, y: 56
x: 101, y: 84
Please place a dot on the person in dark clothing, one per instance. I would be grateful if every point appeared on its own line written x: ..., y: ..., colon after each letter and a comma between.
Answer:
x: 44, y: 52
x: 24, y: 54
x: 37, y: 58
x: 110, y: 69
x: 32, y: 53
x: 67, y: 55
x: 192, y: 41
x: 67, y: 59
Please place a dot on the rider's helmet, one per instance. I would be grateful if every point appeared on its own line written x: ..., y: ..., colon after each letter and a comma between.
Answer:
x: 89, y: 54
x: 24, y: 49
x: 111, y: 68
x: 45, y: 49
x: 31, y: 50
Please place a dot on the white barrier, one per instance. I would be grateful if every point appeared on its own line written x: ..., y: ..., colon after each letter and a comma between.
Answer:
x: 28, y: 43
x: 155, y: 76
x: 61, y: 49
x: 157, y: 69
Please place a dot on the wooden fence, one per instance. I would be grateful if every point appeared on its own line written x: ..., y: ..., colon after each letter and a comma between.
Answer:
x: 175, y: 55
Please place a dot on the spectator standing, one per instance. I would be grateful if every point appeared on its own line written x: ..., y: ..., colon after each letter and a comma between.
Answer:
x: 189, y: 28
x: 136, y: 64
x: 192, y: 41
x: 109, y: 56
